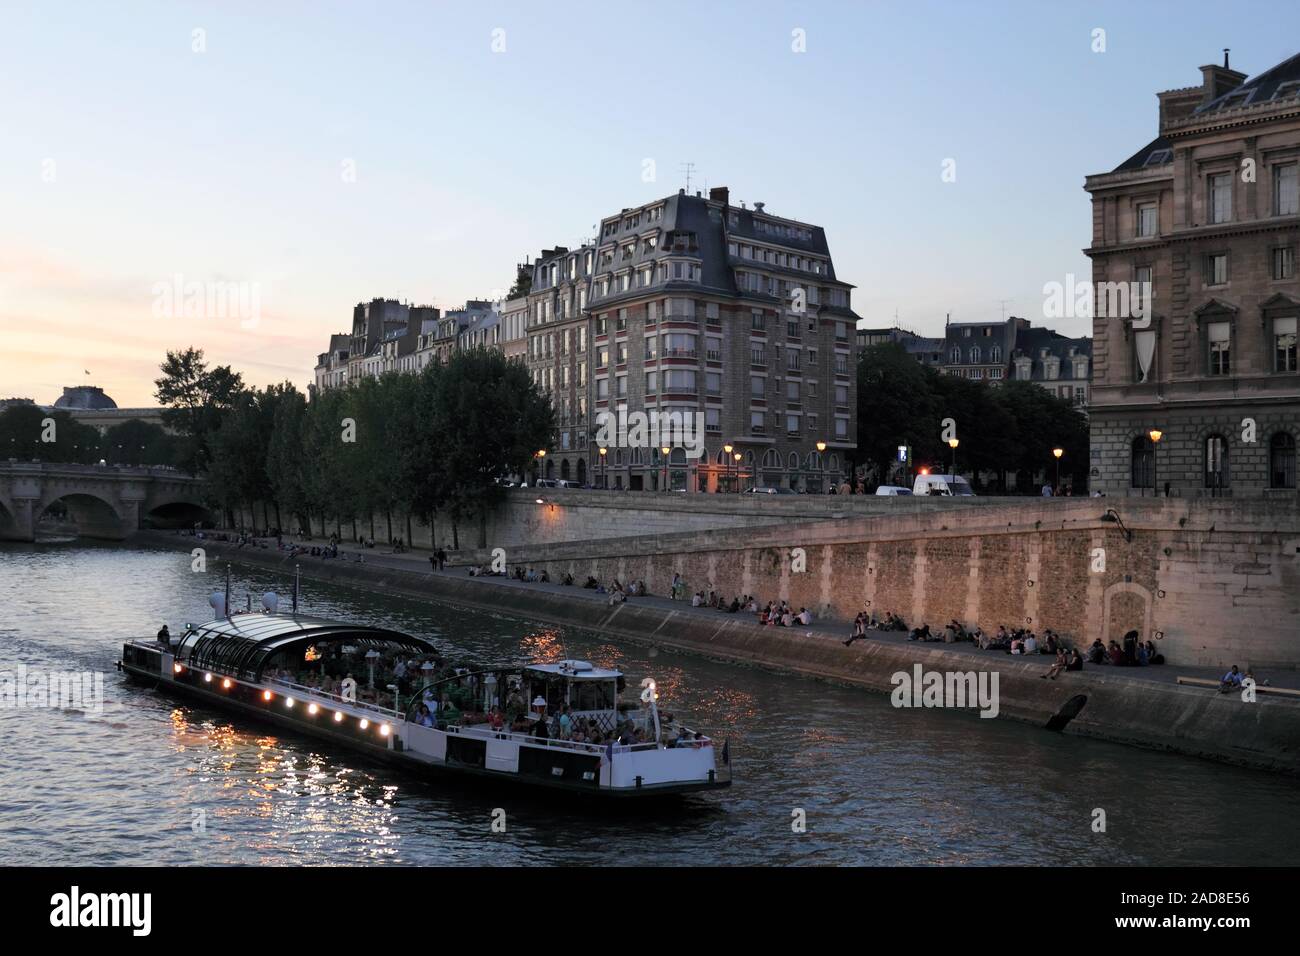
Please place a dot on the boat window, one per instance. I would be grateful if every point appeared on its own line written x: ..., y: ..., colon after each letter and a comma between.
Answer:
x: 593, y: 695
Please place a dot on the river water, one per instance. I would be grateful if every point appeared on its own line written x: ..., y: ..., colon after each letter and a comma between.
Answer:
x: 875, y: 785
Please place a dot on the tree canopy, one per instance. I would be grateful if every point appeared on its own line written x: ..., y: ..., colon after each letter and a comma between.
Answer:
x: 1010, y: 428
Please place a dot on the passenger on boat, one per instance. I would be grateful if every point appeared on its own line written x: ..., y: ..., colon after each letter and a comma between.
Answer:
x: 165, y: 637
x: 425, y: 718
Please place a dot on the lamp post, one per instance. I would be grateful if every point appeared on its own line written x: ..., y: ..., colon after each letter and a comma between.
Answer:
x: 736, y: 456
x: 1058, y: 452
x: 726, y: 450
x: 952, y: 443
x: 537, y: 473
x: 665, y: 450
x: 1155, y: 435
x: 604, y: 481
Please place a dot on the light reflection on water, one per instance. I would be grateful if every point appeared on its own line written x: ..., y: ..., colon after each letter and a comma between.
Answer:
x: 878, y: 785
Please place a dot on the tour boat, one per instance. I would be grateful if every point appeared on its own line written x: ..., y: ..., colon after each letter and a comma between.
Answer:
x: 239, y: 663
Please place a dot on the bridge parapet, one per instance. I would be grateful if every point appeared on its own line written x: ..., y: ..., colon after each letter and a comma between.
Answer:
x: 106, y: 501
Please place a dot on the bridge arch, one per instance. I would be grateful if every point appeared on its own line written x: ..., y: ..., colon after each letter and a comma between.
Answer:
x: 95, y: 515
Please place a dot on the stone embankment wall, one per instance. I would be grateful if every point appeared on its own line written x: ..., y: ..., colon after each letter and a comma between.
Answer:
x: 567, y: 514
x: 1213, y: 582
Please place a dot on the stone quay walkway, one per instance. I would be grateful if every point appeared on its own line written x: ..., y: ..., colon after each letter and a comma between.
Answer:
x: 418, y: 562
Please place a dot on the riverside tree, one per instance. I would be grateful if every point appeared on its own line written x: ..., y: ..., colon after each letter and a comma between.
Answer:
x: 194, y: 399
x: 1006, y: 429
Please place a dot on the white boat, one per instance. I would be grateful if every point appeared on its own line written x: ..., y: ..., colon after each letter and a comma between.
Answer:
x: 253, y: 663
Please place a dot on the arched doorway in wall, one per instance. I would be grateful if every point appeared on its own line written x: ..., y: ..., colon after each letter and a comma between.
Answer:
x: 1126, y: 607
x: 564, y: 469
x: 582, y: 471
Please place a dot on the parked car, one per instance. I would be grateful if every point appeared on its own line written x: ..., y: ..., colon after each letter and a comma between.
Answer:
x: 566, y: 483
x: 945, y: 485
x: 768, y: 490
x: 891, y: 491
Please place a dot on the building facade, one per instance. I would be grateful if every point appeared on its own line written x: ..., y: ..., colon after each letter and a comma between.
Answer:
x: 1201, y: 227
x: 727, y: 320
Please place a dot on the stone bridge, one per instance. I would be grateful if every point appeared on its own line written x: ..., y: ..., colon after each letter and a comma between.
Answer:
x: 104, y: 501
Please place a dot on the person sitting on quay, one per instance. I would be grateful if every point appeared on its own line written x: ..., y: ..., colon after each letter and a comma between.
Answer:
x: 1062, y: 662
x: 1050, y: 644
x: 804, y: 616
x: 1030, y: 645
x: 859, y: 629
x: 734, y: 606
x: 544, y: 577
x: 1231, y: 680
x: 1115, y: 654
x: 566, y: 579
x: 1152, y: 655
x: 921, y: 633
x: 1097, y: 652
x: 697, y: 599
x: 1142, y: 657
x: 1075, y: 660
x: 592, y: 584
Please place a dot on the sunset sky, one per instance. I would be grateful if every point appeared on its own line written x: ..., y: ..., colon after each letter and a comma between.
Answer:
x: 130, y: 159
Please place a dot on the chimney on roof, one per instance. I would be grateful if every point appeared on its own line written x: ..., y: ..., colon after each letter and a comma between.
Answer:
x: 1217, y: 80
x: 758, y: 206
x: 720, y: 194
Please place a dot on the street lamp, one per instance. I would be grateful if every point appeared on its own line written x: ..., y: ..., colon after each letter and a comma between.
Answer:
x: 726, y: 450
x: 537, y: 469
x: 1155, y: 435
x: 604, y: 482
x: 1058, y: 452
x: 737, y: 457
x: 952, y: 443
x: 665, y: 450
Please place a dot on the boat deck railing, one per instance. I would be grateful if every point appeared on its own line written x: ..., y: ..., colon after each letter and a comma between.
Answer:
x: 561, y: 744
x: 307, y: 692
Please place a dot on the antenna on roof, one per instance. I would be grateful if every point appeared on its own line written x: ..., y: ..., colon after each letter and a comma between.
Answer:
x: 688, y: 169
x: 1225, y: 57
x: 1003, y: 303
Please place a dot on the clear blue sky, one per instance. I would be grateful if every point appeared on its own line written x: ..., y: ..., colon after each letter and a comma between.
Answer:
x: 226, y: 165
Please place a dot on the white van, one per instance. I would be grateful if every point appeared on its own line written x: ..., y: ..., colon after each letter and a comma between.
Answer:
x: 892, y: 491
x: 948, y: 485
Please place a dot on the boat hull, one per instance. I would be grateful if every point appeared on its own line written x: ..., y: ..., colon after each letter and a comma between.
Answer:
x: 443, y: 770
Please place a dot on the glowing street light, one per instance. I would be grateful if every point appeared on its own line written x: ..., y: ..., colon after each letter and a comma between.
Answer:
x: 1058, y: 452
x: 1155, y: 435
x: 952, y: 443
x: 604, y: 481
x: 665, y: 450
x: 726, y: 450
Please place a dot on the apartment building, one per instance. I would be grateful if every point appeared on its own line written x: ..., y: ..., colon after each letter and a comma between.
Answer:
x: 1198, y: 393
x: 727, y: 317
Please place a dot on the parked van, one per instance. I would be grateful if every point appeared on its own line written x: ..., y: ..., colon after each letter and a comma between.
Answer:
x: 949, y: 485
x: 892, y: 491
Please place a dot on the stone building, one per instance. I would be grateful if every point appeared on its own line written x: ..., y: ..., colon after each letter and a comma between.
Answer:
x: 729, y: 318
x: 1194, y: 338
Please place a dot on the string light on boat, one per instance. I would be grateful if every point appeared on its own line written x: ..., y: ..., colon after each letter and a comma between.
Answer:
x: 225, y: 684
x: 288, y: 702
x: 208, y: 678
x: 266, y: 695
x: 383, y: 730
x: 338, y: 716
x: 312, y: 709
x: 364, y: 723
x: 178, y: 668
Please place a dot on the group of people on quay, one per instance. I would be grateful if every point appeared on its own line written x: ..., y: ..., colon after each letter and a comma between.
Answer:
x: 1018, y: 641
